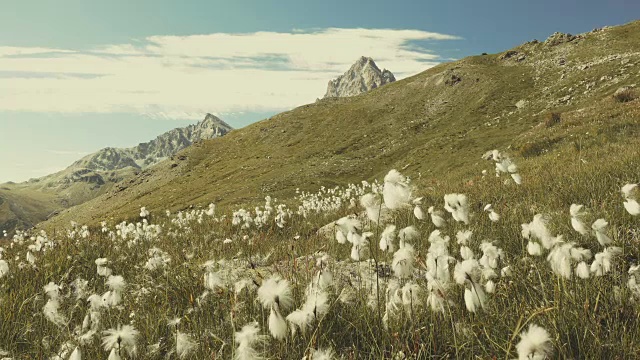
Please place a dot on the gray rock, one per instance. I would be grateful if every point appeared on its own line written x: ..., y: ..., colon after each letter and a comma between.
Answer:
x: 363, y: 76
x: 521, y: 104
x: 558, y: 38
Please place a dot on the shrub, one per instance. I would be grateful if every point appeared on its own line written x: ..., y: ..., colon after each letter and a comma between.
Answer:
x: 551, y: 119
x: 624, y: 96
x: 531, y: 149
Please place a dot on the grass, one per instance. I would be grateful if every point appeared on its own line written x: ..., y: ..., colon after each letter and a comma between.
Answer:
x: 592, y: 316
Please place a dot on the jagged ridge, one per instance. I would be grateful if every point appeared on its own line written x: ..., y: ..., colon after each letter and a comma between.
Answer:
x: 154, y: 151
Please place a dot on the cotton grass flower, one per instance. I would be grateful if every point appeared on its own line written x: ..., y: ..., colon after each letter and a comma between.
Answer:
x: 582, y: 270
x: 491, y: 254
x: 437, y: 217
x: 122, y: 338
x: 51, y: 308
x: 537, y: 229
x: 535, y: 343
x: 458, y: 206
x: 322, y: 354
x: 76, y: 354
x: 275, y: 294
x: 603, y: 260
x: 437, y: 293
x: 577, y: 213
x: 247, y: 339
x: 468, y: 273
x: 4, y: 268
x: 632, y: 206
x: 345, y: 226
x: 113, y: 355
x: 396, y: 192
x: 403, y: 261
x: 599, y: 228
x: 360, y: 244
x: 517, y: 178
x: 387, y: 237
x: 315, y: 306
x: 474, y: 298
x: 408, y: 233
x: 534, y: 249
x: 185, y: 345
x: 633, y: 283
x: 50, y: 311
x: 113, y: 297
x: 631, y: 200
x: 493, y: 216
x: 562, y: 257
x: 373, y: 207
x: 101, y: 267
x: 213, y: 281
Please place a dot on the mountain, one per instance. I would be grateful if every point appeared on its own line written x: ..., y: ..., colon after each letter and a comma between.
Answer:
x: 363, y: 76
x: 154, y: 151
x: 550, y: 105
x: 24, y: 205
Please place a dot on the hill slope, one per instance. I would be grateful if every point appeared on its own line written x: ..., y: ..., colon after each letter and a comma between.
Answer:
x: 435, y: 124
x: 24, y: 205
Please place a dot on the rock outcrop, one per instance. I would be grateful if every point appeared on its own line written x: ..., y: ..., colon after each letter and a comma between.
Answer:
x: 363, y: 76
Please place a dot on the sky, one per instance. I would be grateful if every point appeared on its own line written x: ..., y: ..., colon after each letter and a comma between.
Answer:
x: 77, y: 75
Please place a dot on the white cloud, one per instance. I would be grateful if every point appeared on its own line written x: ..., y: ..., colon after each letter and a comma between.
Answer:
x: 185, y: 76
x: 67, y: 152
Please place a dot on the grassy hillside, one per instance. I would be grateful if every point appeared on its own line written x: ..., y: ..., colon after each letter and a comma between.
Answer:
x: 432, y: 126
x: 23, y: 205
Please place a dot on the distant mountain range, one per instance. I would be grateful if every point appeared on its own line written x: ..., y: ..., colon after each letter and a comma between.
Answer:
x: 363, y: 76
x: 25, y: 204
x: 156, y: 150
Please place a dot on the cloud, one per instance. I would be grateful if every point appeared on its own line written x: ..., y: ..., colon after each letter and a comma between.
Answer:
x: 67, y: 152
x: 186, y: 76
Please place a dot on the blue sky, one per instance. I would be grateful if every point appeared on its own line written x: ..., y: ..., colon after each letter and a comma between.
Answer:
x: 79, y: 75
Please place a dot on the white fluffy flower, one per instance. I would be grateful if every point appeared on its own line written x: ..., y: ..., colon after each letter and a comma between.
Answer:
x: 247, y: 339
x: 437, y: 217
x: 4, y: 268
x: 185, y: 345
x: 396, y: 191
x: 275, y: 294
x: 418, y: 213
x: 122, y: 338
x: 603, y: 260
x: 599, y: 228
x: 535, y: 343
x: 403, y: 261
x: 577, y: 213
x: 386, y: 238
x: 458, y: 206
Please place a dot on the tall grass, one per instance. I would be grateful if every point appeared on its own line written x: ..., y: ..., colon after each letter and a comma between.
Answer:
x: 586, y: 318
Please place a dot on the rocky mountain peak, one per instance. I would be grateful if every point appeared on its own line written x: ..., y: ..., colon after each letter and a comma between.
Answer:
x: 363, y: 76
x: 211, y: 122
x: 154, y: 151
